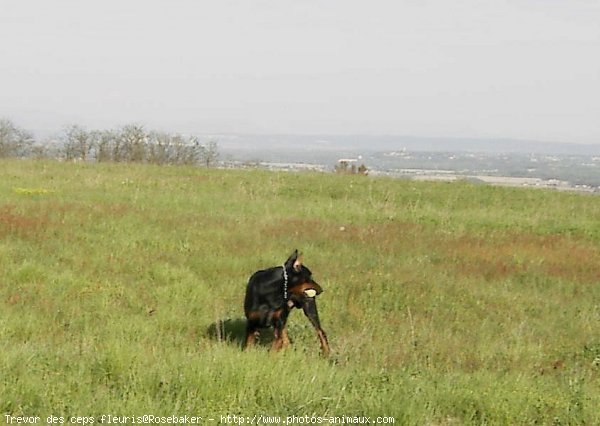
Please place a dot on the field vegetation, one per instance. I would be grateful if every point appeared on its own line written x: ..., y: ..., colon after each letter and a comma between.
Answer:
x: 121, y: 292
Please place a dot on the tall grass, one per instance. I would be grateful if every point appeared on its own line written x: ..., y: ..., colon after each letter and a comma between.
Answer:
x: 122, y: 285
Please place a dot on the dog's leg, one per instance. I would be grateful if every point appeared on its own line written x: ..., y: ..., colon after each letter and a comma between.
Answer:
x: 252, y: 334
x: 277, y: 339
x: 310, y: 310
x: 279, y: 332
x: 285, y: 338
x: 324, y: 343
x: 281, y: 339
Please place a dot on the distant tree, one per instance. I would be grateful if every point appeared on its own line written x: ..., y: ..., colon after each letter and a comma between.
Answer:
x: 163, y: 148
x: 191, y: 151
x: 103, y: 142
x: 40, y: 152
x: 159, y: 148
x: 77, y: 143
x: 14, y: 141
x: 349, y: 167
x: 132, y: 143
x: 344, y: 167
x: 209, y: 153
x: 179, y: 149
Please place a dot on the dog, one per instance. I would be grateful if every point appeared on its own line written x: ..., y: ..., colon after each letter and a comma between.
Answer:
x: 272, y: 293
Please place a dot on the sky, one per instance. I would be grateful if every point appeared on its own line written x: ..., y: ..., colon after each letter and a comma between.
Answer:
x: 524, y: 69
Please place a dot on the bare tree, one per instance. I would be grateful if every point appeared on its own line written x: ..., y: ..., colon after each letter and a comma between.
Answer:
x: 209, y: 153
x: 103, y: 142
x: 348, y: 166
x: 14, y: 142
x: 189, y: 150
x: 163, y: 148
x: 77, y: 143
x: 178, y: 149
x: 40, y: 152
x: 159, y: 147
x: 133, y: 141
x: 130, y: 143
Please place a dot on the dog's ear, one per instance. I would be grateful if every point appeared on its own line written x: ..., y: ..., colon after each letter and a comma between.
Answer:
x: 298, y: 264
x: 291, y: 262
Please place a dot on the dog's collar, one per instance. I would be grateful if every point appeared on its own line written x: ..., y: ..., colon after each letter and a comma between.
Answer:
x: 285, y: 283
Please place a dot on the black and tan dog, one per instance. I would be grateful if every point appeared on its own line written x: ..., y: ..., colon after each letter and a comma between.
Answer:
x: 271, y: 295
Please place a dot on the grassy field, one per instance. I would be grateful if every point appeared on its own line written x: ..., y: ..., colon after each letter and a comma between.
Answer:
x: 121, y: 293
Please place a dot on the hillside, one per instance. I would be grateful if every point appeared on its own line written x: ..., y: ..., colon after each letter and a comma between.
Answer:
x: 445, y: 303
x: 374, y: 143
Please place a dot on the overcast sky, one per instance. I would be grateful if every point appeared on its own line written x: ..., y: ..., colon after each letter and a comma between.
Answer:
x: 526, y: 69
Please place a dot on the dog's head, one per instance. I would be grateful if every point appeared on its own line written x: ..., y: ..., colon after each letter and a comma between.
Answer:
x: 301, y: 285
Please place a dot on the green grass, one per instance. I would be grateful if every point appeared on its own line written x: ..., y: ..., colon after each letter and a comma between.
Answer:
x: 122, y: 285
